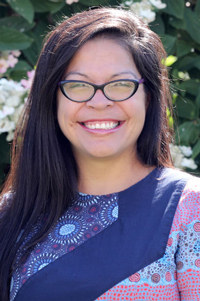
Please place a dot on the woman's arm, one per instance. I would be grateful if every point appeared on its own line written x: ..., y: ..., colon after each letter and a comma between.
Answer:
x: 188, y: 253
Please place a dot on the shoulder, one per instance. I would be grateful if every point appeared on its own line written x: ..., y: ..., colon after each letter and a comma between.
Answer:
x: 188, y: 209
x: 189, y: 204
x: 192, y: 189
x: 174, y: 175
x: 187, y: 185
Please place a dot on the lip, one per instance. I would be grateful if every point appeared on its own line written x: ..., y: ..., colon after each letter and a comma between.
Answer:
x: 101, y: 131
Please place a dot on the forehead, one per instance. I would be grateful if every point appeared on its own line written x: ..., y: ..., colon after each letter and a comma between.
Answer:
x: 102, y: 56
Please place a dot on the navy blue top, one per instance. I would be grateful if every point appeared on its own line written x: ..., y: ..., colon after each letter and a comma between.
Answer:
x: 132, y: 241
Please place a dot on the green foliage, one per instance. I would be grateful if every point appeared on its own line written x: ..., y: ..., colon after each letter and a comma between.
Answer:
x: 23, y: 25
x: 4, y: 157
x: 182, y: 22
x: 23, y: 8
x: 175, y: 8
x: 47, y: 6
x: 13, y: 39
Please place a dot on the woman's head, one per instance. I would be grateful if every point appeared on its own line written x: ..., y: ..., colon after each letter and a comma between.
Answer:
x: 147, y: 52
x: 106, y: 123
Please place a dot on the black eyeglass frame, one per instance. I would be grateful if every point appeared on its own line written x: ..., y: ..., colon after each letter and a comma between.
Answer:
x: 101, y: 87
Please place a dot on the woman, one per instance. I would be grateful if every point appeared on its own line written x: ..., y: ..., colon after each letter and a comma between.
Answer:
x: 93, y: 209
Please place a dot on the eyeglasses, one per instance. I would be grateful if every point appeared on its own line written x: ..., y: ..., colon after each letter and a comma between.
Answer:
x: 117, y: 90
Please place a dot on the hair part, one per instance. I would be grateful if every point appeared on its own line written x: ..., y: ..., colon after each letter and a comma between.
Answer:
x: 44, y: 174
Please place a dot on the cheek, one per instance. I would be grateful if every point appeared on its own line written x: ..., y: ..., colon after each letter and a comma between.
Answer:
x: 67, y: 117
x: 60, y: 113
x: 63, y: 116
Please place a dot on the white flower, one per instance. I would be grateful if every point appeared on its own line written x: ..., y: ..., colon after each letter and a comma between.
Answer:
x: 27, y: 83
x: 158, y: 4
x: 189, y: 163
x: 13, y: 101
x: 17, y: 113
x: 8, y: 59
x: 3, y: 95
x: 16, y: 53
x: 12, y: 96
x: 6, y: 111
x: 144, y: 10
x: 12, y: 61
x: 10, y: 136
x: 71, y: 1
x: 148, y: 15
x: 3, y: 65
x: 186, y: 150
x: 176, y: 155
x: 6, y: 125
x: 128, y: 3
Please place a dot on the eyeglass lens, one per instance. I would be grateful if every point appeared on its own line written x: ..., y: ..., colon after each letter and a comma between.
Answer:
x: 81, y: 91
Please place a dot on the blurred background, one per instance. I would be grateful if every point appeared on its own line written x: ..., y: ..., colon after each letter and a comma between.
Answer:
x: 25, y: 23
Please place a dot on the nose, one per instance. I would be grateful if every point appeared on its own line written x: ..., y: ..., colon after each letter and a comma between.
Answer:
x: 99, y: 101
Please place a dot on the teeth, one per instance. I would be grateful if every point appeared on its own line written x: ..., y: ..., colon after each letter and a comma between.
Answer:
x: 103, y: 126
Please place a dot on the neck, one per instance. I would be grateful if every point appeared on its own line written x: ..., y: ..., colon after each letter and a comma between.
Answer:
x: 106, y: 176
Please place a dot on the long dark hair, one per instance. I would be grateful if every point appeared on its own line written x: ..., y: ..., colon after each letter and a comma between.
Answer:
x: 44, y: 174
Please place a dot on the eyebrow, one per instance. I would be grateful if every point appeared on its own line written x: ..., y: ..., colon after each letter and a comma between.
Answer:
x: 76, y: 73
x: 124, y: 72
x: 114, y: 75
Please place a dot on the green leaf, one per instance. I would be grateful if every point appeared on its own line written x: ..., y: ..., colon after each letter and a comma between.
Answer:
x: 40, y: 32
x: 188, y: 62
x: 31, y: 54
x: 194, y: 73
x: 38, y: 35
x: 197, y: 8
x: 170, y: 60
x: 158, y: 25
x: 41, y: 6
x: 23, y: 8
x: 198, y: 99
x: 22, y: 65
x: 196, y: 150
x: 12, y: 39
x: 183, y: 47
x: 20, y: 70
x: 78, y: 7
x: 186, y: 108
x: 174, y: 8
x: 188, y: 133
x: 93, y: 2
x: 168, y: 42
x: 177, y: 23
x: 4, y: 149
x: 17, y: 22
x: 65, y: 11
x: 18, y: 75
x: 191, y: 86
x: 192, y: 25
x: 197, y: 65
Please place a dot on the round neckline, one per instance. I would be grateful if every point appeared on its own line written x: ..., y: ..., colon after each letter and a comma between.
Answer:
x: 154, y: 171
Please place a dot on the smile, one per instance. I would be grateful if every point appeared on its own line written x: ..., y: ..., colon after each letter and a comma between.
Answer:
x: 101, y: 125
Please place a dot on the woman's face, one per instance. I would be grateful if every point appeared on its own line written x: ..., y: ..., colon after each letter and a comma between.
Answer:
x: 99, y: 61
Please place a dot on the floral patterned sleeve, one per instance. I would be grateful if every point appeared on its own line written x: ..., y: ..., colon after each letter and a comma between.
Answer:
x: 187, y: 257
x: 175, y: 276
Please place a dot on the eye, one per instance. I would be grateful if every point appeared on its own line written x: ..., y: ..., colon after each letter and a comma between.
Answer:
x: 127, y: 84
x: 76, y: 85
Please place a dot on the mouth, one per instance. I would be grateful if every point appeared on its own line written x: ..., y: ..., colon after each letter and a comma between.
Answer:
x: 101, y: 125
